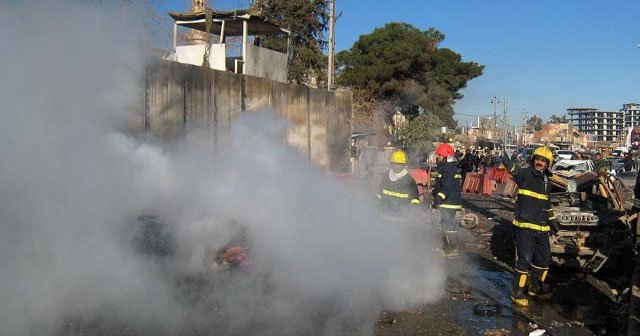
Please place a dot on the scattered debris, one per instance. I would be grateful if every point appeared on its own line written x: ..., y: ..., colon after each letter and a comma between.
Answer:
x: 538, y: 332
x: 388, y: 319
x: 496, y: 332
x: 470, y: 220
x: 487, y: 309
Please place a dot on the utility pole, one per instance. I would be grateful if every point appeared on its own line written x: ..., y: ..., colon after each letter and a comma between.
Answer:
x: 524, y: 127
x: 332, y: 22
x: 494, y: 123
x: 506, y: 124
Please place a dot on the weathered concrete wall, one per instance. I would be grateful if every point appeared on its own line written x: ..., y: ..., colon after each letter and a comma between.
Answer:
x: 181, y: 97
x: 265, y: 63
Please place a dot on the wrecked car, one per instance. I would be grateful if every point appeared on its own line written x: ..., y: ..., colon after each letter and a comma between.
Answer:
x: 593, y: 228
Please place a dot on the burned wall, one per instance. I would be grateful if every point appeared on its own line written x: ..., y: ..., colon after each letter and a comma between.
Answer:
x: 180, y: 98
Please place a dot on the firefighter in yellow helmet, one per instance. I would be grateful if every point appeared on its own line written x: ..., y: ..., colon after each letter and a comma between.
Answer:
x: 533, y: 221
x: 397, y: 188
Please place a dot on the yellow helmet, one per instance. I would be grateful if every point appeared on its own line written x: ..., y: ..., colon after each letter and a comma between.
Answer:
x: 544, y: 152
x: 398, y: 156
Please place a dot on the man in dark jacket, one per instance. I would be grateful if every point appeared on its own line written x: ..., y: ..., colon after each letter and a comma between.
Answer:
x: 398, y: 190
x: 467, y: 163
x: 447, y: 197
x: 533, y: 220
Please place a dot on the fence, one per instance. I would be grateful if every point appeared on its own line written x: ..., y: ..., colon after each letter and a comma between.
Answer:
x: 181, y: 97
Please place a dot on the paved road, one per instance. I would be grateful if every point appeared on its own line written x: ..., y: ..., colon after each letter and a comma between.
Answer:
x: 629, y: 178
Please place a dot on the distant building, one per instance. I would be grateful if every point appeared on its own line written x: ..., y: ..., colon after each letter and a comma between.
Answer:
x: 562, y: 135
x: 631, y: 113
x: 602, y: 126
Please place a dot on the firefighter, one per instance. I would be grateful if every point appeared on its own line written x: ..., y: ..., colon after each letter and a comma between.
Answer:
x: 398, y: 189
x: 533, y: 221
x: 447, y: 197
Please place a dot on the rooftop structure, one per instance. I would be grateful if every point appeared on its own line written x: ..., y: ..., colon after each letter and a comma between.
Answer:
x: 218, y: 25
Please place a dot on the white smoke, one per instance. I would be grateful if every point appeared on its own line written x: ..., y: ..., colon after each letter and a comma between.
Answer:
x: 71, y: 187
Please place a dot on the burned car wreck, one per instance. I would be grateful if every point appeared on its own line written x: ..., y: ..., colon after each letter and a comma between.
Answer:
x: 594, y: 229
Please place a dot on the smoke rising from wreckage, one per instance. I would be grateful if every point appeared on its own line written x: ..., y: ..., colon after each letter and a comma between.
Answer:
x: 73, y: 184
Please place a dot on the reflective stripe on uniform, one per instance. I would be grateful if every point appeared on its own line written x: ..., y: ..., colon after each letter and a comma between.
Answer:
x: 394, y: 194
x: 415, y: 201
x: 450, y: 206
x: 441, y: 195
x: 533, y: 194
x: 524, y: 225
x: 458, y: 176
x: 552, y: 218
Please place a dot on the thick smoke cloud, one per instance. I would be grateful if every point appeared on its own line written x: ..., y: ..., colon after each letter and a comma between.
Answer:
x: 71, y: 187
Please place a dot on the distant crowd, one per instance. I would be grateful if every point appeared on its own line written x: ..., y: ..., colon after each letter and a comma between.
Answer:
x: 478, y: 161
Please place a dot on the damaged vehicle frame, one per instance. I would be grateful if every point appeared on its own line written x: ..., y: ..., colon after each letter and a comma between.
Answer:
x: 593, y: 228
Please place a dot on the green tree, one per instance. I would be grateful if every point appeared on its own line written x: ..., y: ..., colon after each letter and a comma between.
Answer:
x: 307, y: 20
x: 535, y: 123
x: 403, y: 64
x: 418, y: 134
x: 554, y: 119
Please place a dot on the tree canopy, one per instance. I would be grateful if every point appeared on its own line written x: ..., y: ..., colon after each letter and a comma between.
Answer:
x: 307, y: 20
x: 535, y: 123
x: 404, y: 64
x: 554, y: 119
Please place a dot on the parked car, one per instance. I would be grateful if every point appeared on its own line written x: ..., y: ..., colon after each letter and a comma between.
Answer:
x: 569, y: 168
x: 619, y: 151
x: 566, y: 154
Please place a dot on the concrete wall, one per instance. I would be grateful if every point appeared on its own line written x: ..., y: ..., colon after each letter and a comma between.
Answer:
x: 266, y: 63
x: 193, y: 54
x: 180, y: 97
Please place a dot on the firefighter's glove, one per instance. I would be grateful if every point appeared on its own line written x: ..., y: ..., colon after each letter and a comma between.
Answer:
x: 548, y: 172
x: 555, y: 226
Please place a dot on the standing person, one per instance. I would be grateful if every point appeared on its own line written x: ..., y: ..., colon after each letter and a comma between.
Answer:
x: 466, y: 164
x: 599, y: 163
x: 447, y: 197
x: 514, y: 157
x: 533, y: 220
x: 355, y: 155
x: 398, y: 190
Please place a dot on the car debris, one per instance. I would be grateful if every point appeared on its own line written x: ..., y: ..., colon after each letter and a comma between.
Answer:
x: 593, y: 228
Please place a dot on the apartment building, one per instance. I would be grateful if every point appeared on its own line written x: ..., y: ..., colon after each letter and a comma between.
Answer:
x: 631, y: 113
x: 602, y: 126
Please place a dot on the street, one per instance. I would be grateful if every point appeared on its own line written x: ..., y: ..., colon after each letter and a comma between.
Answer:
x: 581, y: 304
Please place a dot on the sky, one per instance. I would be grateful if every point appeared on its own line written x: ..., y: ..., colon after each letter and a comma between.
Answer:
x: 540, y: 56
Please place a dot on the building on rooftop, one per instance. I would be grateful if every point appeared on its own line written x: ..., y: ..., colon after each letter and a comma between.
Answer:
x: 217, y: 26
x: 602, y: 126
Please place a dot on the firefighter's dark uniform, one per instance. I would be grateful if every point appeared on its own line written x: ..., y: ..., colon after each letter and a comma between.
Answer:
x: 533, y: 216
x: 395, y: 197
x: 447, y: 197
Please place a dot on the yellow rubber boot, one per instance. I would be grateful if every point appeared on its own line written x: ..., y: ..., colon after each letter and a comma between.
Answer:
x: 520, y: 280
x: 538, y: 288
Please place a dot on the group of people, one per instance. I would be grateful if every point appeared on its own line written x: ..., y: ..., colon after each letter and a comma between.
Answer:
x: 533, y: 213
